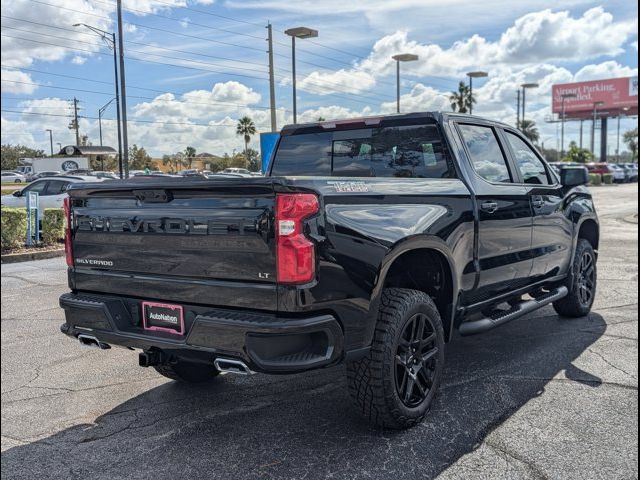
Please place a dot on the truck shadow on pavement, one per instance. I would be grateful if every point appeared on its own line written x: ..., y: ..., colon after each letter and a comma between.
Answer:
x: 304, y: 426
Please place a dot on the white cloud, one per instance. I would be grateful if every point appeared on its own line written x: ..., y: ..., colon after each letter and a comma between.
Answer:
x: 15, y: 81
x: 421, y: 99
x: 78, y: 60
x: 535, y: 38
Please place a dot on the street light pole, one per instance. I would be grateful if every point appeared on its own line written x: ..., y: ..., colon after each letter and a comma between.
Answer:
x: 100, y: 112
x: 524, y: 90
x: 471, y: 76
x: 302, y: 33
x: 110, y: 39
x: 123, y: 90
x: 51, y: 137
x: 403, y: 57
x: 564, y: 97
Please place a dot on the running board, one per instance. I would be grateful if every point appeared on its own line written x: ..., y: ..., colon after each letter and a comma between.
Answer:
x: 502, y: 317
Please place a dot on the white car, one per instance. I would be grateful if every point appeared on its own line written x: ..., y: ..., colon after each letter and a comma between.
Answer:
x: 51, y: 191
x: 619, y: 176
x: 13, y: 177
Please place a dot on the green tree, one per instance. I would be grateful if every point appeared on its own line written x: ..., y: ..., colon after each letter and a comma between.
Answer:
x: 246, y: 128
x: 253, y: 160
x: 139, y: 159
x: 529, y: 130
x: 629, y: 137
x: 189, y: 154
x: 11, y: 153
x: 577, y: 154
x: 463, y: 99
x: 321, y: 119
x: 175, y: 161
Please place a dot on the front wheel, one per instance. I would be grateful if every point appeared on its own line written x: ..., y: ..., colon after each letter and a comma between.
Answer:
x: 395, y: 384
x: 582, y: 282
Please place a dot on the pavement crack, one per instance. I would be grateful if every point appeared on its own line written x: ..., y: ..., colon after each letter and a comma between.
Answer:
x: 615, y: 367
x: 507, y: 454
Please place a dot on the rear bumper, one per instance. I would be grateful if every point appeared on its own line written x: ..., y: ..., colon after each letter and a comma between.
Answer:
x: 265, y: 342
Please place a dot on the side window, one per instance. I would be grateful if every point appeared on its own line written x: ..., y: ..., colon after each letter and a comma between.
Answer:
x: 486, y: 154
x: 57, y: 187
x: 38, y: 187
x: 530, y: 166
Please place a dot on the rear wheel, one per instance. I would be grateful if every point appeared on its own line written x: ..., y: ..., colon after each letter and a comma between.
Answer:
x: 189, y: 372
x: 395, y: 384
x: 581, y: 283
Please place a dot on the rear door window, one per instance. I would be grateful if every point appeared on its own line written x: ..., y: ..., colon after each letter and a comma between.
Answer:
x: 57, y: 187
x: 303, y: 155
x: 486, y: 155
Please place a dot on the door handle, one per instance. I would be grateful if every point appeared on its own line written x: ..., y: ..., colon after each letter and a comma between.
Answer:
x: 489, y: 206
x: 537, y: 202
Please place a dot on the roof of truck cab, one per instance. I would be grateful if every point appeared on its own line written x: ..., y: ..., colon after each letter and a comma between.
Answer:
x: 382, y: 120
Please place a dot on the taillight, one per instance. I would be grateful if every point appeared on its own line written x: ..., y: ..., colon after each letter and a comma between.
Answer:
x: 295, y: 253
x: 68, y: 248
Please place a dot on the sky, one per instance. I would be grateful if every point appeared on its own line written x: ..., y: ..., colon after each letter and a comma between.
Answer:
x: 194, y: 67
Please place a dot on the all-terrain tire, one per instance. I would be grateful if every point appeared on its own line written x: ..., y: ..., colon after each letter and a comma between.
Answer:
x: 574, y: 304
x: 189, y: 372
x: 372, y: 379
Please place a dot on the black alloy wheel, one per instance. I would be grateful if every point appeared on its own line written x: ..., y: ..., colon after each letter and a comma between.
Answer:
x: 416, y: 360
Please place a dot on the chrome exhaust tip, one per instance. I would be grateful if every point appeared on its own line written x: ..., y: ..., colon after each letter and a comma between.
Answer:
x: 92, y: 342
x: 229, y: 365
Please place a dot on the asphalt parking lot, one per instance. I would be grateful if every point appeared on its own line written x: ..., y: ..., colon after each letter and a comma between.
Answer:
x: 542, y: 397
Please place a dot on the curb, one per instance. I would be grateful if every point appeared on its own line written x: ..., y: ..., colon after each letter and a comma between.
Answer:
x: 27, y: 256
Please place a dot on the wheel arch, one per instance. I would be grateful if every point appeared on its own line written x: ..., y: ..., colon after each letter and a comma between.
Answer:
x: 415, y: 263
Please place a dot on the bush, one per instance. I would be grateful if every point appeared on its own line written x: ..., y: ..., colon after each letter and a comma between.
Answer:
x: 595, y: 179
x: 52, y: 225
x: 607, y: 178
x: 13, y: 227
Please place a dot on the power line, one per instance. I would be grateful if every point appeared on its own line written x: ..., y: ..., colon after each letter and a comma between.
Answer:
x: 263, y: 107
x: 195, y: 124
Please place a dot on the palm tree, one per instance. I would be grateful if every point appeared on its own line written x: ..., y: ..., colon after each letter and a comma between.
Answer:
x: 630, y: 137
x: 246, y: 128
x: 462, y: 100
x: 189, y: 153
x: 529, y: 130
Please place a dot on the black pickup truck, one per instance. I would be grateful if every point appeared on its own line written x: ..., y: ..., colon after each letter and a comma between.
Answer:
x: 371, y: 241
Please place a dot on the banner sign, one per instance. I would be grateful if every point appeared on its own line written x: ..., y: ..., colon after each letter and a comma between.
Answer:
x: 619, y: 96
x: 33, y: 220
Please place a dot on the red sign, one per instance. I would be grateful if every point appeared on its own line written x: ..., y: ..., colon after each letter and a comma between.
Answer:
x: 618, y: 96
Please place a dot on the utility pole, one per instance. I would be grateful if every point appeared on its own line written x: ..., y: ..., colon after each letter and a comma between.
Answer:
x: 272, y: 84
x: 51, y: 136
x: 75, y: 125
x: 123, y: 93
x: 581, y: 125
x: 518, y: 111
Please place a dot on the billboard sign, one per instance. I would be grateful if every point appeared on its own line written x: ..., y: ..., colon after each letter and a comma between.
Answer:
x: 617, y: 95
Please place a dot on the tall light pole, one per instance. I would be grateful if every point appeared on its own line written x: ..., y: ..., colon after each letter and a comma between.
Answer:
x: 402, y: 57
x: 471, y: 76
x: 110, y: 39
x: 625, y: 110
x: 524, y: 90
x: 123, y: 89
x: 593, y: 126
x: 564, y: 97
x: 100, y: 112
x: 301, y: 33
x: 51, y: 137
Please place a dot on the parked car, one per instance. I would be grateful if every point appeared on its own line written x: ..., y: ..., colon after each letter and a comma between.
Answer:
x: 369, y: 242
x: 242, y: 171
x: 632, y: 170
x: 620, y: 175
x: 36, y: 176
x: 599, y: 168
x: 12, y: 177
x: 51, y: 190
x: 104, y: 174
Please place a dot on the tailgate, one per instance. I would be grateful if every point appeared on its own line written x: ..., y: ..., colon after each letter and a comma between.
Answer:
x: 164, y: 237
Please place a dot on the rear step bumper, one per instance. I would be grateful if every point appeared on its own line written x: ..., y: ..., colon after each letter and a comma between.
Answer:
x: 266, y: 343
x: 500, y: 318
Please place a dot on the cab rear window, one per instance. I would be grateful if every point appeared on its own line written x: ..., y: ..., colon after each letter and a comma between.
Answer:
x: 404, y: 151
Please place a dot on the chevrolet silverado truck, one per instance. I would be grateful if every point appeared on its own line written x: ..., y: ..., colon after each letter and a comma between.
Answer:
x: 371, y: 242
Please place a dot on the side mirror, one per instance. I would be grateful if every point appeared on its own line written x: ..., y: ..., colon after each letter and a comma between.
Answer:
x: 574, y: 176
x: 17, y: 193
